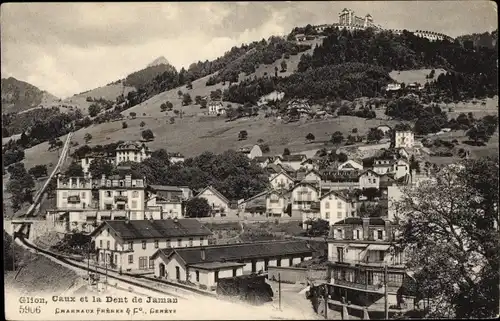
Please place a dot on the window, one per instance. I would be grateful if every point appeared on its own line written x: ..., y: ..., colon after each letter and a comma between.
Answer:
x: 339, y: 233
x: 130, y: 245
x: 135, y: 194
x: 379, y: 235
x: 143, y: 262
x: 216, y: 276
x: 134, y: 204
x: 357, y: 234
x: 108, y: 243
x: 108, y: 193
x: 327, y: 205
x: 278, y: 262
x: 100, y: 244
x: 201, y: 240
x: 190, y: 241
x: 109, y: 207
x: 179, y: 242
x: 381, y: 255
x: 197, y: 276
x: 235, y: 272
x: 84, y: 195
x: 290, y: 262
x: 327, y: 215
x: 151, y: 263
x: 339, y: 214
x: 168, y: 243
x: 116, y: 246
x: 143, y: 245
x: 339, y: 204
x: 130, y: 258
x: 156, y: 244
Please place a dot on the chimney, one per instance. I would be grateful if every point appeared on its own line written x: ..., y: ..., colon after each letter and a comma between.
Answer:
x: 202, y: 253
x: 366, y: 231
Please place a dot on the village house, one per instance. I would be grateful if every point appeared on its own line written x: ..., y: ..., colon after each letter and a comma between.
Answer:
x: 128, y: 245
x: 251, y: 151
x: 335, y: 179
x: 176, y: 158
x: 358, y: 251
x: 205, y: 265
x: 336, y: 206
x: 369, y: 179
x: 263, y: 161
x: 404, y: 139
x: 309, y: 164
x: 281, y: 181
x: 303, y: 195
x: 255, y: 204
x: 216, y: 108
x: 219, y: 203
x: 168, y: 198
x: 277, y: 203
x: 389, y: 165
x: 312, y: 177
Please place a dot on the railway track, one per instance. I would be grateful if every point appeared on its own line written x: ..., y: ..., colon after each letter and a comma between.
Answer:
x: 140, y: 283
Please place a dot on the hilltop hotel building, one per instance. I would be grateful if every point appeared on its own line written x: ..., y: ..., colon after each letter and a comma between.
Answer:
x: 349, y: 21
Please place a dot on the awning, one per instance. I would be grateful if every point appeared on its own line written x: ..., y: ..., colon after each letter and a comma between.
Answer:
x: 378, y: 247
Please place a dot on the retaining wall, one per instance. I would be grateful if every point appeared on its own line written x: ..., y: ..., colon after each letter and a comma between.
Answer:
x: 295, y: 275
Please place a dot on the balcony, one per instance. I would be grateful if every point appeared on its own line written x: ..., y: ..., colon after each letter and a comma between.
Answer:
x: 121, y: 198
x: 367, y: 263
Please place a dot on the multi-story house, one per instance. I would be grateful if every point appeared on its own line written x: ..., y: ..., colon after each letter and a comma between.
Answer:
x: 255, y: 204
x: 216, y: 108
x: 281, y: 181
x: 404, y: 139
x: 88, y: 159
x: 313, y: 177
x: 303, y: 196
x: 335, y: 179
x: 359, y: 251
x: 218, y: 202
x: 336, y: 206
x: 122, y: 193
x: 390, y: 165
x: 168, y: 198
x: 277, y: 202
x: 369, y: 179
x: 128, y: 245
x: 131, y: 151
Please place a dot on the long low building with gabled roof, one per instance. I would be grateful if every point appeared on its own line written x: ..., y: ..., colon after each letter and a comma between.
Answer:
x: 204, y: 265
x: 129, y: 244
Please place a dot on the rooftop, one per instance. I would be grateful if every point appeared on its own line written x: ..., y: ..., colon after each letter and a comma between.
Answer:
x: 148, y: 229
x: 235, y: 252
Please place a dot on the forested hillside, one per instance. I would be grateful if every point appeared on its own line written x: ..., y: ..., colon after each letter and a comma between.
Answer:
x: 19, y: 95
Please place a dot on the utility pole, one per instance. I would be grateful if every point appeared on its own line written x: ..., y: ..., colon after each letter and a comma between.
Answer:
x: 326, y: 301
x: 14, y: 251
x: 386, y: 306
x: 279, y: 290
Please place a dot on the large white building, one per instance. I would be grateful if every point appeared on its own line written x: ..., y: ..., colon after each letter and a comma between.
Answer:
x: 404, y: 139
x: 128, y: 245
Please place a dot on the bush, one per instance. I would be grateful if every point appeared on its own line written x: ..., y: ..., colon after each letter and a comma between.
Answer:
x: 124, y: 125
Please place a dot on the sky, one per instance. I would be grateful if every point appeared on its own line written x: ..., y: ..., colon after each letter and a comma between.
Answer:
x: 68, y: 48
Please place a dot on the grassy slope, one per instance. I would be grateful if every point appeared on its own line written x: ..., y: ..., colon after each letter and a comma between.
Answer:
x: 415, y: 75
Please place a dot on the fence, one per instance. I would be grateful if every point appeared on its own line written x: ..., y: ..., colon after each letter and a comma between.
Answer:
x: 296, y: 275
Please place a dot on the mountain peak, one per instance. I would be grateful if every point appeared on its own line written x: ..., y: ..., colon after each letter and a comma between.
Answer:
x: 159, y: 61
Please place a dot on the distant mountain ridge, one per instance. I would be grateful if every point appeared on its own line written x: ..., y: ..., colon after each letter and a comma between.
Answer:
x: 18, y: 95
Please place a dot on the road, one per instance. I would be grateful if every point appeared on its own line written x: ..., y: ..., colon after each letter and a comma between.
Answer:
x: 62, y: 158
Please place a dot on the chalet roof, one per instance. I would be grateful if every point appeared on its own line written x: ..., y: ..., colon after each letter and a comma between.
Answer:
x: 151, y: 229
x: 216, y: 192
x: 264, y: 193
x: 305, y: 184
x: 235, y: 252
x: 284, y: 173
x: 368, y: 171
x: 336, y: 193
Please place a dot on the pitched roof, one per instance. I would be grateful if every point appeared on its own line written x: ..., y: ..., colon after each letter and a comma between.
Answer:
x: 148, y: 229
x: 264, y: 193
x: 336, y: 193
x: 359, y: 221
x: 366, y: 171
x: 284, y: 173
x: 305, y: 183
x: 274, y: 168
x: 261, y: 159
x: 287, y: 168
x: 216, y: 192
x: 235, y: 252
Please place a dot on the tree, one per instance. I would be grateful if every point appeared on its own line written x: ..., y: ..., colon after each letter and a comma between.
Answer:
x: 94, y: 109
x: 163, y: 107
x: 448, y: 228
x: 283, y: 66
x: 203, y: 103
x: 318, y: 227
x: 99, y: 167
x: 197, y: 207
x: 87, y: 138
x: 142, y: 124
x: 186, y: 99
x: 179, y: 93
x: 354, y: 130
x: 172, y: 120
x: 286, y: 152
x: 337, y: 138
x: 478, y: 133
x: 132, y: 114
x: 38, y: 171
x: 124, y: 125
x: 74, y: 170
x: 310, y: 137
x: 170, y: 106
x: 197, y: 100
x: 243, y: 135
x: 375, y: 134
x: 147, y: 134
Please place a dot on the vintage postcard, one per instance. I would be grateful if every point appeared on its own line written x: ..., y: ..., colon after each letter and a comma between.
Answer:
x: 250, y: 160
